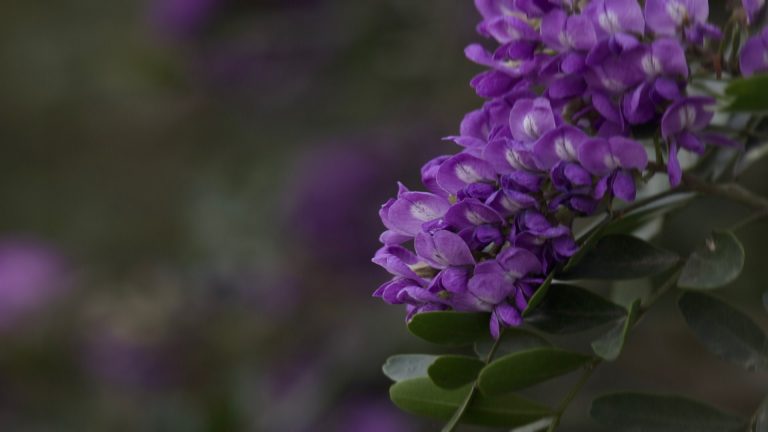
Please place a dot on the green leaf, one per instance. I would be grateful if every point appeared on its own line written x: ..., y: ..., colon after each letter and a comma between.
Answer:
x: 421, y: 396
x: 725, y: 331
x: 568, y: 309
x: 748, y: 94
x: 715, y: 263
x: 526, y: 368
x: 454, y: 371
x: 512, y: 339
x: 609, y: 346
x: 627, y: 411
x: 538, y: 295
x: 620, y: 256
x: 406, y: 366
x: 450, y: 328
x: 761, y: 417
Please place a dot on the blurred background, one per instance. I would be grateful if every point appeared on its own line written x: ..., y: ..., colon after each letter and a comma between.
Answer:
x: 189, y: 199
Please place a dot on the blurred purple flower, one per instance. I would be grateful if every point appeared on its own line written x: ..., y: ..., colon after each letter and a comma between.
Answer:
x: 181, y: 19
x: 752, y: 9
x: 32, y: 274
x: 372, y: 415
x: 332, y: 190
x: 754, y: 54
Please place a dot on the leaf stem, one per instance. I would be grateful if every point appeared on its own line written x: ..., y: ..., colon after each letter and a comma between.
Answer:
x: 585, y: 376
x: 754, y: 217
x: 454, y: 421
x: 666, y: 286
x: 732, y: 191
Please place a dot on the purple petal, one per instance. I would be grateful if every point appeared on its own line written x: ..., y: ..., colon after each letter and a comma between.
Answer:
x: 673, y: 165
x: 470, y: 213
x: 754, y: 55
x: 752, y: 8
x: 624, y: 185
x: 463, y: 169
x: 453, y: 248
x: 531, y: 118
x: 595, y: 156
x: 560, y: 144
x: 519, y: 262
x: 508, y: 315
x: 690, y: 142
x: 629, y: 154
x: 412, y: 209
x: 686, y: 114
x: 488, y: 283
x: 429, y: 174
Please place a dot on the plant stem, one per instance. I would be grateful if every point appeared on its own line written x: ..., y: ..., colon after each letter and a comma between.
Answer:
x: 585, y: 376
x: 666, y: 286
x: 732, y: 191
x: 590, y: 369
x: 454, y: 421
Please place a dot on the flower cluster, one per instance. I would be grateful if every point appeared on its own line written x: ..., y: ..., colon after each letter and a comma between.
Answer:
x: 570, y: 87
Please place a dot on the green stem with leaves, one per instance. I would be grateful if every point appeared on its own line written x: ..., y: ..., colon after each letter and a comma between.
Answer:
x: 454, y: 421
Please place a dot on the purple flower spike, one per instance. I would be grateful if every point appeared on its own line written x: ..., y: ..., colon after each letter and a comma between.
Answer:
x: 443, y: 249
x: 752, y: 8
x: 462, y: 170
x: 530, y: 119
x: 411, y: 210
x: 754, y: 54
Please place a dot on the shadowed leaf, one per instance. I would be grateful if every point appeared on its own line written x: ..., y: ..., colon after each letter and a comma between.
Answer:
x: 568, y: 309
x: 421, y: 396
x: 406, y: 366
x: 526, y: 368
x: 450, y: 328
x: 453, y: 371
x: 725, y: 331
x: 620, y: 256
x: 715, y: 263
x: 609, y: 346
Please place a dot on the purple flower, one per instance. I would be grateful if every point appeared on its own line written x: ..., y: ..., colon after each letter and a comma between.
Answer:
x: 463, y: 170
x: 680, y: 125
x: 551, y: 141
x: 613, y: 160
x: 754, y: 54
x: 530, y: 119
x: 181, y: 18
x: 670, y: 17
x: 32, y: 275
x: 616, y: 17
x: 405, y: 216
x: 443, y: 249
x: 565, y: 33
x: 752, y: 8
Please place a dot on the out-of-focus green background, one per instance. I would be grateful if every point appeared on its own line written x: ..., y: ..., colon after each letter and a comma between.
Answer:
x: 189, y: 194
